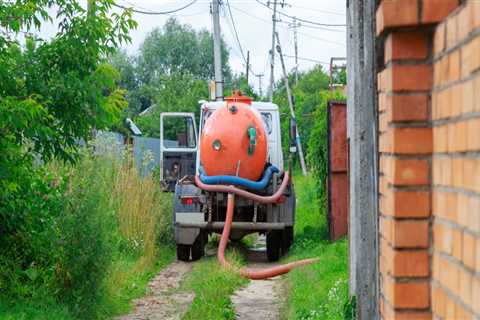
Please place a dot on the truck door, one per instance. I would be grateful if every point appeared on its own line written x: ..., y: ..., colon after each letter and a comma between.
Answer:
x: 178, y: 147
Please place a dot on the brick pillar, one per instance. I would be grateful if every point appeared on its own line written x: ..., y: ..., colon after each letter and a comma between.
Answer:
x: 405, y: 145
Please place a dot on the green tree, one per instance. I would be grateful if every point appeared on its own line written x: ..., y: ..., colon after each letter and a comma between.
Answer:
x: 178, y: 48
x: 311, y: 97
x: 173, y: 69
x: 52, y: 93
x: 173, y: 93
x: 307, y: 97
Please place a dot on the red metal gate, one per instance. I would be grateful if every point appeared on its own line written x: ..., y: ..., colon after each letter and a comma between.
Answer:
x: 338, y: 187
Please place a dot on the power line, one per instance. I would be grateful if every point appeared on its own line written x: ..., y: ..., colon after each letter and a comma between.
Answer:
x: 236, y: 36
x: 251, y: 15
x: 322, y: 39
x: 321, y: 11
x: 155, y: 12
x: 304, y: 34
x: 236, y: 49
x: 322, y: 28
x: 304, y: 20
x: 307, y: 59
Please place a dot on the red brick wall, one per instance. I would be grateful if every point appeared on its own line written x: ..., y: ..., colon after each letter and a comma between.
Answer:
x: 456, y: 165
x: 429, y: 144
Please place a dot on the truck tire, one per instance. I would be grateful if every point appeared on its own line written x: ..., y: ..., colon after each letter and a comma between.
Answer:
x: 198, y: 247
x: 183, y: 252
x: 274, y: 245
x: 287, y: 239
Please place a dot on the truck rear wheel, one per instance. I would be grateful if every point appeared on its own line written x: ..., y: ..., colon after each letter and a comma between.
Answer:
x: 198, y: 247
x: 274, y: 245
x: 287, y: 238
x: 183, y: 252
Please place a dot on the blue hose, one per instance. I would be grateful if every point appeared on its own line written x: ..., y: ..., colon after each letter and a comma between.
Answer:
x: 237, y: 181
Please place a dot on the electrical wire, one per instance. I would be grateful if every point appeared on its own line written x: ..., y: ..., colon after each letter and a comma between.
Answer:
x: 322, y: 39
x: 307, y: 59
x: 303, y: 20
x: 238, y: 40
x: 320, y: 10
x: 156, y: 12
x: 304, y: 34
x: 322, y: 28
x: 235, y: 32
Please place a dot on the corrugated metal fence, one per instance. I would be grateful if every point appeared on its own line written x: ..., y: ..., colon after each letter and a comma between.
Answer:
x: 146, y: 151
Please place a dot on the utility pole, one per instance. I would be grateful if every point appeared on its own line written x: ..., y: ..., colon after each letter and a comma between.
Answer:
x: 272, y: 52
x: 248, y: 65
x: 260, y: 76
x: 295, y: 25
x: 290, y: 104
x: 217, y: 51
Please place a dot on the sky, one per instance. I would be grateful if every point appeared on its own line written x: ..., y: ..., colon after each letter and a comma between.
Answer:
x: 253, y: 22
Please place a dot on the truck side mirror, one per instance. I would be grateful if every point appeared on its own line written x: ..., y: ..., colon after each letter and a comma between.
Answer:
x: 293, y: 135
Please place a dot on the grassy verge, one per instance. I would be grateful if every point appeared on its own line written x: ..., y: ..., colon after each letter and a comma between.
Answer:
x: 96, y: 233
x: 127, y: 279
x: 213, y: 287
x: 318, y: 291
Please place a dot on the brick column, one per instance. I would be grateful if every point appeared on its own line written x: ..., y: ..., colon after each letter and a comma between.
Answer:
x: 405, y: 145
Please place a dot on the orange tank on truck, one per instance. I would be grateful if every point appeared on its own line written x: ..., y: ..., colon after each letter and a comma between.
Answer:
x: 234, y: 142
x: 238, y: 185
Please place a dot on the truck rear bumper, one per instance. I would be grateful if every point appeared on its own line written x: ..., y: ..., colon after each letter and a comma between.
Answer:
x: 235, y: 225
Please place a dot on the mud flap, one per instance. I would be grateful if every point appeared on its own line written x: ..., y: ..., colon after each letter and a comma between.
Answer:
x: 186, y: 235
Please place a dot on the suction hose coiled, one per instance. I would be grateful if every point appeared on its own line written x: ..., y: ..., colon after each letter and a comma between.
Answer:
x: 275, y: 198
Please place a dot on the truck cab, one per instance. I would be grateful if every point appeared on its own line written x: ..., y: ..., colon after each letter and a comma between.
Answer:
x: 198, y: 213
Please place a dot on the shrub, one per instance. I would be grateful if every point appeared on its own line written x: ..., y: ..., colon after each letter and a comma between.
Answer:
x: 75, y: 222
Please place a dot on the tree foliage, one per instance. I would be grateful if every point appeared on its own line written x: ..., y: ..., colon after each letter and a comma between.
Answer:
x: 311, y: 97
x: 52, y: 93
x: 179, y: 49
x: 171, y: 73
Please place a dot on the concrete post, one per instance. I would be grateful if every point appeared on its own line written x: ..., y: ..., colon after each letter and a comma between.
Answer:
x: 362, y: 134
x: 217, y: 51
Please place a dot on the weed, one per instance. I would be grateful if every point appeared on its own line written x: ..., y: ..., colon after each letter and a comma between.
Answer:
x: 318, y: 291
x: 213, y: 287
x: 89, y: 242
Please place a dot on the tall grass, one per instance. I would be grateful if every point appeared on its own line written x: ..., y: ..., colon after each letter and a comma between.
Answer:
x: 318, y: 291
x: 97, y: 234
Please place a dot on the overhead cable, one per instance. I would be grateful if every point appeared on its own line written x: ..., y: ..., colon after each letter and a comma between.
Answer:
x: 303, y: 20
x: 307, y: 59
x: 156, y: 12
x: 304, y: 34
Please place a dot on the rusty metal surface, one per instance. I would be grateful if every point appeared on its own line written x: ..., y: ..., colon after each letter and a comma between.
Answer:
x: 338, y: 187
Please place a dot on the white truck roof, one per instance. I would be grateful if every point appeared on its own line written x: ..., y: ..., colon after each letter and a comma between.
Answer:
x: 275, y: 155
x: 266, y: 106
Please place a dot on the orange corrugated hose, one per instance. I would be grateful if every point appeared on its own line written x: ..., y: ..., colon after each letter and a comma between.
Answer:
x: 246, y: 272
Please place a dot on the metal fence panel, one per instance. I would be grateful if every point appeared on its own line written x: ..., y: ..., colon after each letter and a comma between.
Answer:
x: 146, y: 152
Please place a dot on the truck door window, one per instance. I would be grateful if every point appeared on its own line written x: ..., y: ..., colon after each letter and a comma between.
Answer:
x: 178, y: 132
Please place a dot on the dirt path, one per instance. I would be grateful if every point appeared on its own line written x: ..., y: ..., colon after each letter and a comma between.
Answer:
x: 260, y: 299
x: 163, y: 301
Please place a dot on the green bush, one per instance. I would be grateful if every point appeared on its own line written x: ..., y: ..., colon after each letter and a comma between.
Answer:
x: 78, y: 221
